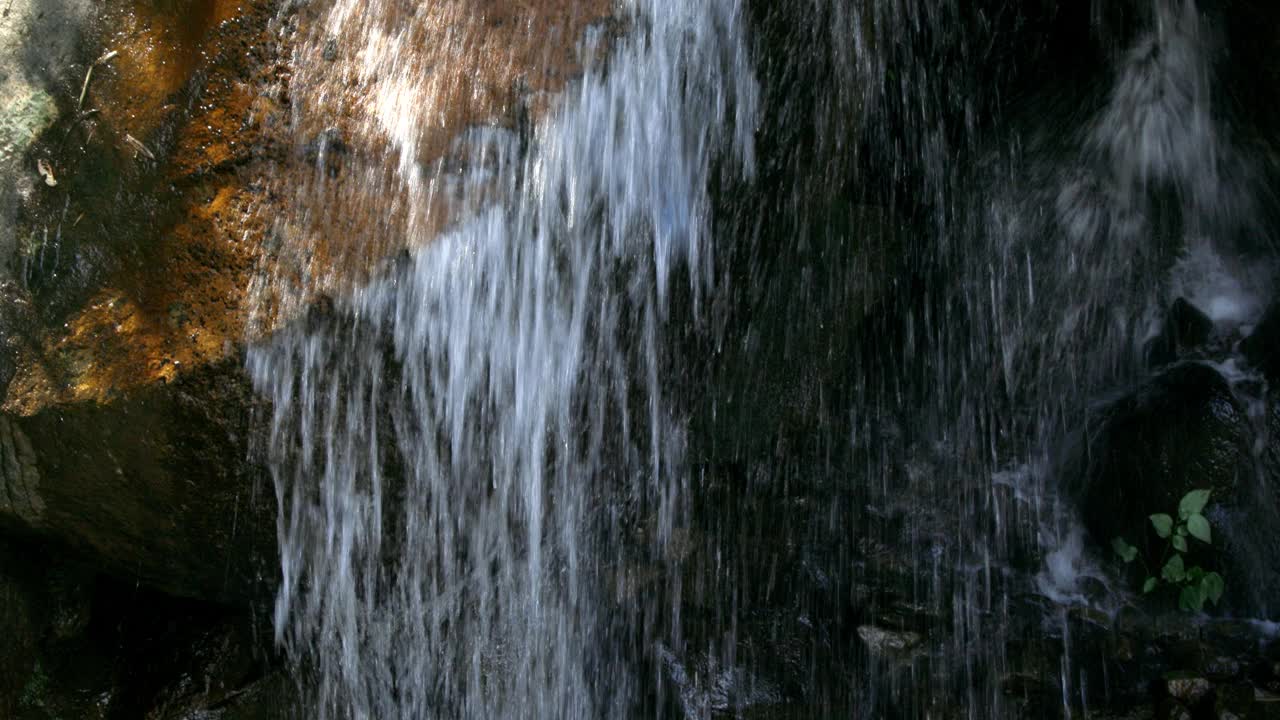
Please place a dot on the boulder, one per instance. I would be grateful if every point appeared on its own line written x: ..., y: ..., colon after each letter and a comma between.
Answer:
x: 156, y: 484
x: 125, y: 417
x: 1182, y: 430
x: 1185, y: 328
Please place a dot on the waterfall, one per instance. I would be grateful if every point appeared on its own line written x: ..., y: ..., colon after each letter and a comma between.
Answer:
x: 780, y: 315
x: 504, y: 373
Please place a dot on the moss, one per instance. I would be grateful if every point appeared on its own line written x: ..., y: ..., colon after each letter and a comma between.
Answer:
x: 22, y: 118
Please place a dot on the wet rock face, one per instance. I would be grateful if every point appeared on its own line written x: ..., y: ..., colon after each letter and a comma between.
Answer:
x: 126, y: 418
x: 167, y: 130
x: 389, y: 103
x: 19, y: 477
x: 155, y: 484
x: 1182, y: 431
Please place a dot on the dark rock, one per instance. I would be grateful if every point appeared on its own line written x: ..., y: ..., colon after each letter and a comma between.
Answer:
x: 1187, y: 653
x: 1262, y: 347
x: 1025, y: 685
x: 80, y: 645
x: 798, y: 331
x: 155, y: 485
x: 1170, y: 709
x: 69, y: 603
x: 15, y: 328
x: 1182, y: 430
x: 1266, y: 706
x: 1235, y: 637
x: 19, y: 626
x: 1187, y: 688
x: 1222, y: 668
x: 884, y: 642
x: 1233, y: 700
x: 1185, y: 328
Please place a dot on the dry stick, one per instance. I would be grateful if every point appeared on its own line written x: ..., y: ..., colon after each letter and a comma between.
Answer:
x: 84, y: 89
x: 137, y: 145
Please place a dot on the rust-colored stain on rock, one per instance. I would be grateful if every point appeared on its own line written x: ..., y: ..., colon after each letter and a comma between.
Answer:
x: 204, y: 114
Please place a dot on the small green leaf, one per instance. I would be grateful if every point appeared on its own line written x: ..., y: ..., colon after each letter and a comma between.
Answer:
x: 1191, y: 598
x: 1211, y: 586
x: 1182, y: 530
x: 1193, y: 502
x: 1149, y: 585
x: 1179, y: 543
x: 1163, y: 525
x: 1174, y: 571
x: 1194, y: 573
x: 1124, y: 550
x: 1198, y: 526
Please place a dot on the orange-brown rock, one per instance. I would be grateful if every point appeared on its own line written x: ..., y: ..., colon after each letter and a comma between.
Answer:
x: 386, y: 95
x: 125, y: 425
x: 186, y: 179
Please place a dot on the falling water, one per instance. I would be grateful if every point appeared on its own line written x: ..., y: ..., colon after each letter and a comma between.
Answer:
x: 505, y: 374
x: 779, y: 317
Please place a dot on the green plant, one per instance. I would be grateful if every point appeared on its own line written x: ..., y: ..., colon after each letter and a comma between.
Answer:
x: 1195, y: 585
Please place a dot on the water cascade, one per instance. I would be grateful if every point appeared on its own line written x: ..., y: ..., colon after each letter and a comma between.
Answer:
x: 528, y: 411
x: 764, y: 368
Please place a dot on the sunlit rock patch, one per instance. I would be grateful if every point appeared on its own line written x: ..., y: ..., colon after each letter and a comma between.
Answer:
x: 148, y: 332
x: 389, y: 109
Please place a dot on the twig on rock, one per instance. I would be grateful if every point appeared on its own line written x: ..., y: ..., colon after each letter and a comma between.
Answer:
x: 84, y: 89
x: 137, y: 145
